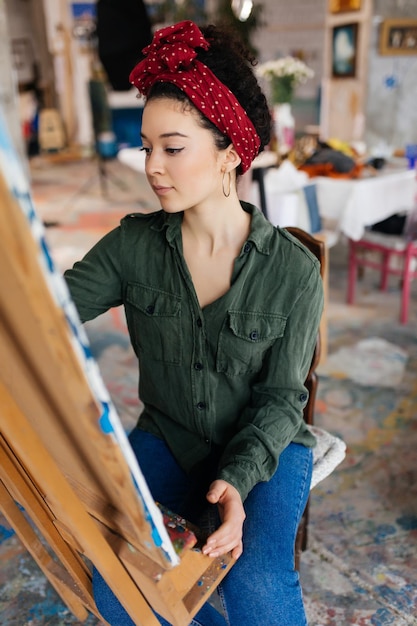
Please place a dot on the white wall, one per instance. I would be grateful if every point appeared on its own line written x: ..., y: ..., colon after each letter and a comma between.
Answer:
x: 294, y: 27
x: 364, y: 107
x: 391, y: 111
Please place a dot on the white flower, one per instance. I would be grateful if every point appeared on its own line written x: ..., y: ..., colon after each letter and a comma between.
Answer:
x: 288, y: 66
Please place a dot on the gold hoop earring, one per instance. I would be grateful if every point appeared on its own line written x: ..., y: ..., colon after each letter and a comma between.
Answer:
x: 226, y: 195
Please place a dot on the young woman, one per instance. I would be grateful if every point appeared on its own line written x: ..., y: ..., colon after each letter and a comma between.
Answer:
x: 222, y: 310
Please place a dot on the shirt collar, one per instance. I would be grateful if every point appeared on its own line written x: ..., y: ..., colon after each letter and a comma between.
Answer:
x: 260, y: 235
x: 261, y: 230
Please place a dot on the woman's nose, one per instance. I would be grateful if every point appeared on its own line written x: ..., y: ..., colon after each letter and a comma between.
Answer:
x: 153, y: 163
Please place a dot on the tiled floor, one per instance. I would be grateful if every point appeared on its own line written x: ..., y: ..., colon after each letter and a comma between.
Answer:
x: 361, y: 564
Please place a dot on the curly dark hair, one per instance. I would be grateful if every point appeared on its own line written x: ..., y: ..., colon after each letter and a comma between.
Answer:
x: 233, y: 65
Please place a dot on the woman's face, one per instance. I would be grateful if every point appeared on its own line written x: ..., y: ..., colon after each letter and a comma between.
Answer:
x: 183, y: 165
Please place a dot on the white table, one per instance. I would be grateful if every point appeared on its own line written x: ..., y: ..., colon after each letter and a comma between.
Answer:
x: 352, y: 205
x: 345, y: 206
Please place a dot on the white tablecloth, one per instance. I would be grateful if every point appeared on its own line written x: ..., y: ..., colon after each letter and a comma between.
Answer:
x: 353, y: 204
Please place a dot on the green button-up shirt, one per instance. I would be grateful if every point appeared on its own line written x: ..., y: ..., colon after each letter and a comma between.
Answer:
x: 229, y: 376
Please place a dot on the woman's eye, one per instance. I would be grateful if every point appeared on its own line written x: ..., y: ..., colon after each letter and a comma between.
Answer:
x: 170, y: 151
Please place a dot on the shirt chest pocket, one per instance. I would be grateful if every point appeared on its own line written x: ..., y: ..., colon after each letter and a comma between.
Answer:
x: 244, y: 339
x: 154, y: 321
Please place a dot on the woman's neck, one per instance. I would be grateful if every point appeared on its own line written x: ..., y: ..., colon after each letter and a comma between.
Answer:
x: 211, y: 243
x: 210, y: 231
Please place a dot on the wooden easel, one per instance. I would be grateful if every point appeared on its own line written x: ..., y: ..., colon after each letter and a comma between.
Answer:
x: 63, y: 452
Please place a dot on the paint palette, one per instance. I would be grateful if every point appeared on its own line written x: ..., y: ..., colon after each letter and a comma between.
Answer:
x: 179, y: 530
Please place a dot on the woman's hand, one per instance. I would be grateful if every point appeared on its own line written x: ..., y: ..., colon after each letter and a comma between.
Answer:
x: 228, y: 537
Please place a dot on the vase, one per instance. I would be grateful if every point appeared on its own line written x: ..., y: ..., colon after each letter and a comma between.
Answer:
x: 284, y: 126
x: 282, y: 89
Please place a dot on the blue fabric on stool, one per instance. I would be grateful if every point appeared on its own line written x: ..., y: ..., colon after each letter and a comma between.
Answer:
x: 310, y: 194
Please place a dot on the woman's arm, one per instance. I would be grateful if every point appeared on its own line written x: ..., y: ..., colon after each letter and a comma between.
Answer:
x: 274, y: 415
x: 95, y: 282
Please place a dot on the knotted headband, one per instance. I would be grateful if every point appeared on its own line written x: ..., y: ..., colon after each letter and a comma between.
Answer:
x: 171, y: 57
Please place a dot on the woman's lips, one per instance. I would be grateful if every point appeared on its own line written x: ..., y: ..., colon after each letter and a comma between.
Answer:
x: 160, y: 190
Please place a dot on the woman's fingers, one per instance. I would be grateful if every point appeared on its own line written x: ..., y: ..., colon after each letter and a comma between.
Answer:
x: 228, y: 537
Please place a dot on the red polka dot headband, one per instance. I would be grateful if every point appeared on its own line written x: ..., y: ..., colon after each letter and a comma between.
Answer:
x: 171, y: 57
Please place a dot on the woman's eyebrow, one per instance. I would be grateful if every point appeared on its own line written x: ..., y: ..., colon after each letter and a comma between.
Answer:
x: 165, y: 135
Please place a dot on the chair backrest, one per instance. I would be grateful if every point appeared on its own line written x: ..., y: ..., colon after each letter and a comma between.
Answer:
x: 318, y: 248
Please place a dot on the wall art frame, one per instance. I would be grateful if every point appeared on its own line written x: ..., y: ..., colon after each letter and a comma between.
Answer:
x: 398, y: 36
x: 344, y: 50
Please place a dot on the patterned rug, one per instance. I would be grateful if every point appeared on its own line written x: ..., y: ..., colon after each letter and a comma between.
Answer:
x: 361, y: 565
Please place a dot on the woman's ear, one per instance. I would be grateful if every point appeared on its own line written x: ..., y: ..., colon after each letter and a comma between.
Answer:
x: 231, y: 159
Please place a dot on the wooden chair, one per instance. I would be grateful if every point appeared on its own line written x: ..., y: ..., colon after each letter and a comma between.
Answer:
x: 388, y: 254
x: 330, y: 450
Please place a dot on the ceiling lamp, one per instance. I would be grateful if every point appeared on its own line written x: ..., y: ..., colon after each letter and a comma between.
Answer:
x: 242, y: 9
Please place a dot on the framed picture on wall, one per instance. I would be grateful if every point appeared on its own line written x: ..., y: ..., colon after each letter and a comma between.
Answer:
x: 344, y: 50
x: 342, y: 6
x: 398, y: 36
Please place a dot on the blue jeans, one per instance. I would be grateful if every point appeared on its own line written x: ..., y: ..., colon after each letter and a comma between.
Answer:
x: 262, y: 588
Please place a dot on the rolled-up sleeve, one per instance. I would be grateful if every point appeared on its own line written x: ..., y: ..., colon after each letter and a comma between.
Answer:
x: 274, y: 415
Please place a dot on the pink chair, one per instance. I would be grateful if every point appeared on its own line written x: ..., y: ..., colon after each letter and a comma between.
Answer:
x: 390, y: 254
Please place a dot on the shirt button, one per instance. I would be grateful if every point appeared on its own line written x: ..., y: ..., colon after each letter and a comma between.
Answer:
x: 254, y: 335
x: 150, y: 309
x: 247, y: 247
x: 201, y: 406
x: 198, y: 366
x: 303, y: 397
x: 199, y: 323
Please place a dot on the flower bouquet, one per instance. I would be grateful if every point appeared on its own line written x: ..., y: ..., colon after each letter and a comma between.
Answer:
x: 284, y: 75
